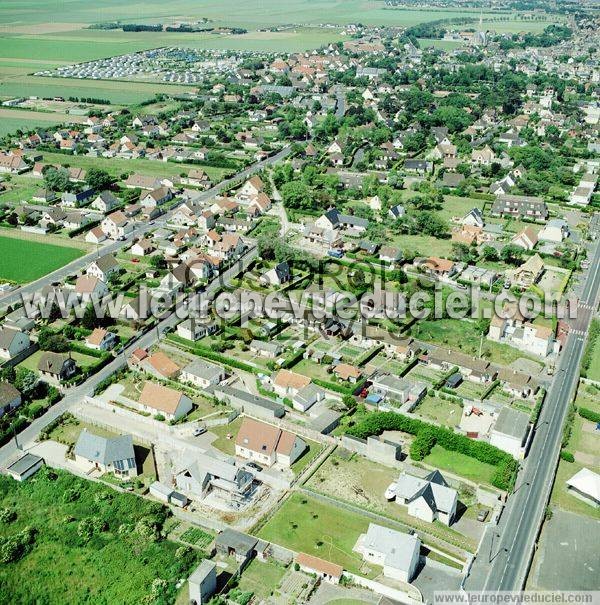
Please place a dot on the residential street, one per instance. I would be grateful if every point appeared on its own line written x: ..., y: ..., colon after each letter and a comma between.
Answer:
x: 75, y: 395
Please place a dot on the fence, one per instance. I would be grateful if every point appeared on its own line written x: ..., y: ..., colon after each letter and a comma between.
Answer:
x: 387, y: 591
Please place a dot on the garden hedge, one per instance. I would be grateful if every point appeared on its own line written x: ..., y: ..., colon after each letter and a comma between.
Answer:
x: 377, y: 422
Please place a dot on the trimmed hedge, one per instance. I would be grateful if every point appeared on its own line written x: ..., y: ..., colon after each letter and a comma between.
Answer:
x: 377, y: 422
x: 567, y: 456
x: 589, y: 414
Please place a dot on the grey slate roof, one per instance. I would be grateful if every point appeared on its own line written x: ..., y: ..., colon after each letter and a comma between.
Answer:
x: 8, y: 393
x: 203, y: 369
x: 399, y: 548
x: 104, y: 450
x: 230, y: 538
x: 512, y: 422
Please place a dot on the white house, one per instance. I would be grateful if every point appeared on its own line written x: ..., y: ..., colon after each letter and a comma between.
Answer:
x: 396, y: 552
x: 103, y: 267
x: 164, y: 401
x: 202, y: 374
x: 510, y: 432
x: 430, y: 499
x: 101, y: 340
x: 12, y: 342
x: 555, y: 231
x: 116, y: 225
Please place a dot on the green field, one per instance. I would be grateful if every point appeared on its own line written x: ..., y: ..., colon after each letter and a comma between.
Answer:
x: 117, y: 166
x: 11, y: 125
x: 115, y: 561
x: 251, y: 14
x: 22, y: 261
x: 461, y: 465
x: 305, y: 524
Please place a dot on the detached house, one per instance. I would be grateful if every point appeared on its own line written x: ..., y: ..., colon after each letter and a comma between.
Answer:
x: 528, y: 273
x: 280, y: 274
x: 101, y: 340
x: 108, y: 455
x: 167, y: 402
x: 267, y: 444
x: 103, y: 267
x: 287, y: 383
x: 105, y: 201
x: 12, y: 342
x: 251, y: 188
x: 10, y: 398
x: 156, y: 197
x: 116, y: 226
x: 56, y: 367
x: 526, y: 239
x: 430, y: 499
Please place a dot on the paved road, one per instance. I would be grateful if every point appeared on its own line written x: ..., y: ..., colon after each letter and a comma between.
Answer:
x: 76, y: 394
x: 15, y: 296
x: 504, y: 562
x: 340, y: 105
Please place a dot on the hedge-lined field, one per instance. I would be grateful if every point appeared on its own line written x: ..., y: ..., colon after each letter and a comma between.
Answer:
x: 428, y: 436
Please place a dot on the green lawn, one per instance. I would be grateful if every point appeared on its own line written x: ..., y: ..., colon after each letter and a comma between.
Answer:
x: 362, y: 483
x: 222, y: 443
x: 461, y: 465
x: 464, y: 336
x: 117, y: 563
x: 22, y: 261
x: 309, y: 455
x: 446, y: 413
x: 306, y: 525
x: 261, y: 579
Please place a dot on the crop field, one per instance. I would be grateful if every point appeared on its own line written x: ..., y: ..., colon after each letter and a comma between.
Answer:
x: 31, y: 39
x: 22, y: 261
x: 251, y: 14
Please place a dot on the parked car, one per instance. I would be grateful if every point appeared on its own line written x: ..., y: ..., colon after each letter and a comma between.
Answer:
x: 390, y: 492
x: 200, y: 431
x: 253, y: 465
x: 482, y: 515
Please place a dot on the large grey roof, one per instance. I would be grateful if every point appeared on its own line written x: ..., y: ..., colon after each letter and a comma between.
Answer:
x: 398, y: 548
x: 433, y: 488
x: 104, y: 450
x: 203, y: 369
x: 512, y: 422
x: 236, y: 540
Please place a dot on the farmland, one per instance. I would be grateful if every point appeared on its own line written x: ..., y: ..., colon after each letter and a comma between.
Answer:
x: 24, y: 261
x: 250, y: 15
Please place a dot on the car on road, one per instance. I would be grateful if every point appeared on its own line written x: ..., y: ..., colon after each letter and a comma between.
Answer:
x: 200, y: 430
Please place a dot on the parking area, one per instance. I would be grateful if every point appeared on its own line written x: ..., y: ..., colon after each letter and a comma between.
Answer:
x: 568, y: 557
